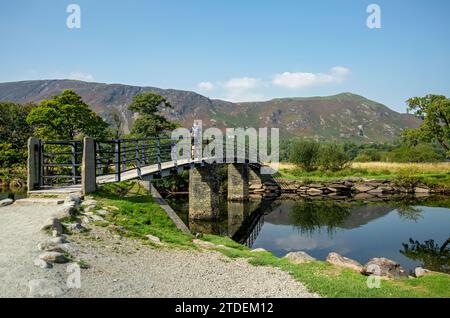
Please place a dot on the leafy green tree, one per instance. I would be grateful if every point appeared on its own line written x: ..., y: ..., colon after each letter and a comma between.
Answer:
x: 434, y: 110
x: 305, y: 153
x: 14, y: 129
x: 66, y: 116
x: 149, y: 123
x: 421, y: 152
x: 14, y: 133
x: 333, y: 157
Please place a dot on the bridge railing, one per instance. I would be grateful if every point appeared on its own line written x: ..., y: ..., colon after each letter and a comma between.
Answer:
x: 115, y: 157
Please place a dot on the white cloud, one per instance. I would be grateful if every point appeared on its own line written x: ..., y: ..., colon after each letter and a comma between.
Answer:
x: 80, y: 76
x: 242, y: 89
x: 302, y: 79
x: 242, y: 83
x: 205, y: 86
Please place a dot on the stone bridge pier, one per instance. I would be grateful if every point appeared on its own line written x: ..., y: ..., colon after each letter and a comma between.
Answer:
x: 204, y: 189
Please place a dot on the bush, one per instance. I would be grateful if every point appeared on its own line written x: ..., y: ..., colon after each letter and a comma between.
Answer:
x: 333, y: 157
x: 418, y: 153
x: 305, y: 154
x: 368, y: 155
x: 10, y: 156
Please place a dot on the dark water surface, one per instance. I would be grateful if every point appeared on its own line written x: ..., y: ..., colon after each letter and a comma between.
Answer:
x: 413, y: 233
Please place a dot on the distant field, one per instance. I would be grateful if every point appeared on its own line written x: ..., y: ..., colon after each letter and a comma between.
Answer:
x: 441, y: 167
x: 380, y: 167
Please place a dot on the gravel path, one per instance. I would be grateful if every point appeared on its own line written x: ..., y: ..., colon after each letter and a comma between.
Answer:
x: 126, y: 268
x: 19, y: 236
x: 122, y: 267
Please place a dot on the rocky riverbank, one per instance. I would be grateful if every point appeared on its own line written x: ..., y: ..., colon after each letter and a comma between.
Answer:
x: 356, y: 188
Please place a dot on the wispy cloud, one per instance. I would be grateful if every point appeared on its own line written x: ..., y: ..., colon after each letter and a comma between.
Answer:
x: 244, y: 89
x: 205, y: 86
x: 80, y: 76
x: 304, y: 79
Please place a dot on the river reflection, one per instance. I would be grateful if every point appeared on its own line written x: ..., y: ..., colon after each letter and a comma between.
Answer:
x: 410, y: 232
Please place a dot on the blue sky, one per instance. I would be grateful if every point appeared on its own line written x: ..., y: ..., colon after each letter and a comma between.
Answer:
x: 235, y: 50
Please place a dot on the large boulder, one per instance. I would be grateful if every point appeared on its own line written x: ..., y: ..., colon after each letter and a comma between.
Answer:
x: 6, y: 202
x: 299, y: 257
x: 342, y: 261
x: 420, y: 271
x: 384, y: 267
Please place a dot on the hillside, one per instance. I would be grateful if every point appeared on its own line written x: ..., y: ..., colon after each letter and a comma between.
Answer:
x: 345, y: 116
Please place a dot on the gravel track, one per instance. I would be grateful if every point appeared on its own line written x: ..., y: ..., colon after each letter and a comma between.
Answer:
x: 123, y: 267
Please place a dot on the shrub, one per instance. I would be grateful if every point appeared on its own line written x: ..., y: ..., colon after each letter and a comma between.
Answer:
x: 333, y: 157
x: 418, y: 153
x: 368, y: 155
x: 10, y: 156
x: 305, y: 154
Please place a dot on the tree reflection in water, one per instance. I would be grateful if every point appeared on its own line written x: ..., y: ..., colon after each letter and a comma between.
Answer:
x: 433, y: 256
x: 311, y: 216
x: 409, y: 212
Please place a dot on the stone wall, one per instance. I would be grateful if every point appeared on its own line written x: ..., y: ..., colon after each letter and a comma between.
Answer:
x: 349, y: 187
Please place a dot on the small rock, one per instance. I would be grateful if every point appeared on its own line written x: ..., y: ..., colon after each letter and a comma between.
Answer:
x: 89, y: 202
x: 6, y: 202
x: 314, y: 191
x: 53, y: 224
x: 204, y: 244
x: 421, y: 190
x: 44, y: 288
x: 198, y: 235
x: 299, y: 257
x: 90, y: 208
x: 154, y: 239
x: 97, y: 218
x: 76, y: 228
x: 57, y: 240
x: 420, y: 271
x: 42, y: 264
x: 259, y: 249
x: 50, y: 247
x: 384, y: 267
x: 363, y: 188
x: 74, y: 197
x: 342, y: 261
x: 102, y: 212
x: 53, y: 257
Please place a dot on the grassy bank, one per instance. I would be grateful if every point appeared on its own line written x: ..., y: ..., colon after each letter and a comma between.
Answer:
x: 136, y: 215
x: 431, y: 174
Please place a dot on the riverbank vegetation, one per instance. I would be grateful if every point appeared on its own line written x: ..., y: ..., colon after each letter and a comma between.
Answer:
x: 136, y: 214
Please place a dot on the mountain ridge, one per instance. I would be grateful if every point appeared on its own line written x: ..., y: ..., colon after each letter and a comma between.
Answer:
x: 344, y: 116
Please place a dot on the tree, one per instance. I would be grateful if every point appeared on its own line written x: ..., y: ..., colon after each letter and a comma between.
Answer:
x: 305, y: 154
x: 66, y: 117
x: 14, y: 129
x: 116, y: 124
x: 434, y: 110
x: 333, y: 157
x: 14, y: 133
x: 149, y: 123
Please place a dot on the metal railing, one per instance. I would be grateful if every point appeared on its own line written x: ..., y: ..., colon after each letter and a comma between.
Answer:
x: 60, y: 161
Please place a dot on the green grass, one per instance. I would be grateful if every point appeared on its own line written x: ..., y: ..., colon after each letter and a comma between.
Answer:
x: 139, y: 215
x: 331, y: 281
